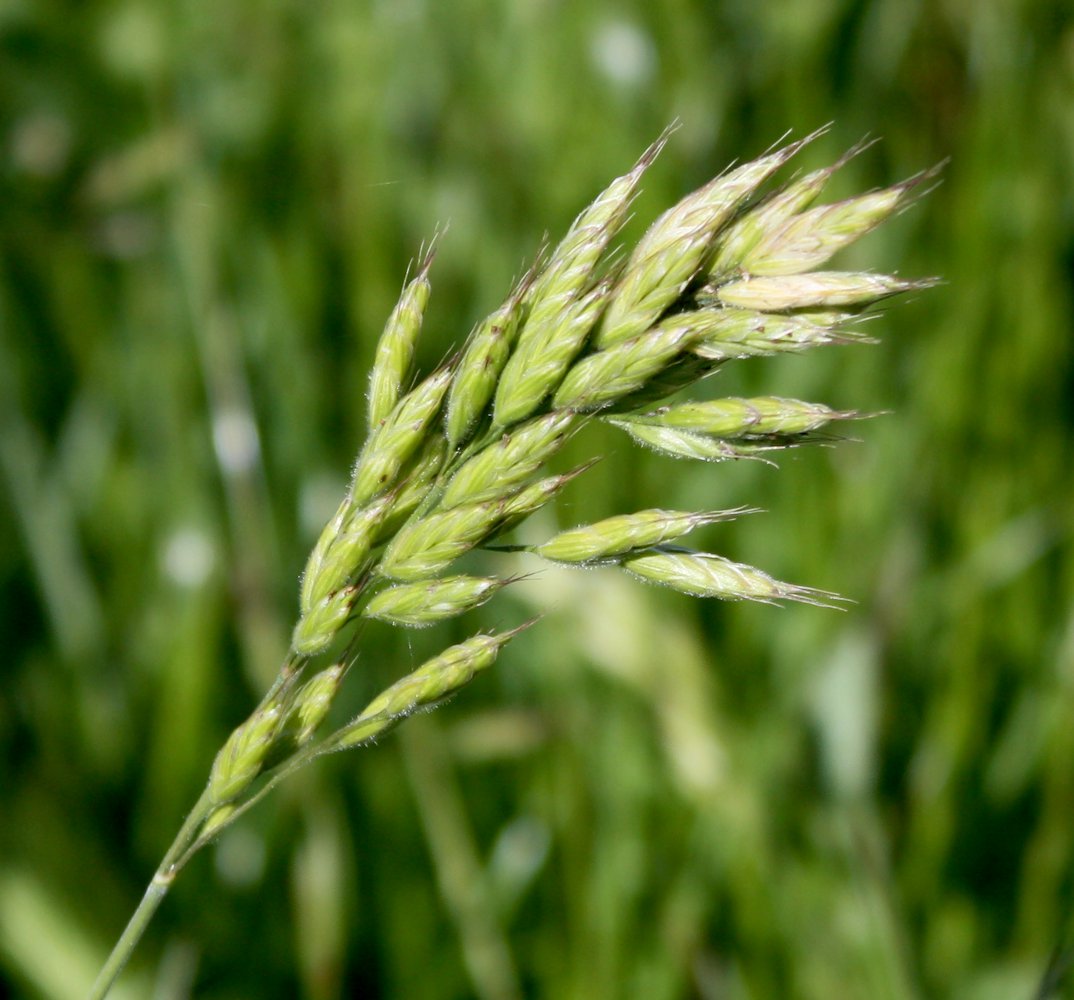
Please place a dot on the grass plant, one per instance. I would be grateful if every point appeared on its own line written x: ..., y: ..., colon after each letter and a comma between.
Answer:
x: 456, y: 458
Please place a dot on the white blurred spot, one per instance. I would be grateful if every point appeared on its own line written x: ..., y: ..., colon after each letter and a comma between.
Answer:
x: 844, y: 703
x: 236, y: 441
x: 518, y: 854
x: 623, y: 53
x: 318, y: 498
x: 188, y: 557
x: 240, y: 857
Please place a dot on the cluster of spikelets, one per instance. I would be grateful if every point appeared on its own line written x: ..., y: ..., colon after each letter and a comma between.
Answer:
x: 455, y: 460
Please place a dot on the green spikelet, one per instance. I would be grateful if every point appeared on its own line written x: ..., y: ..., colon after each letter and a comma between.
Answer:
x: 483, y: 359
x: 433, y: 682
x: 403, y: 431
x: 395, y: 349
x: 419, y: 604
x: 616, y: 536
x: 678, y: 245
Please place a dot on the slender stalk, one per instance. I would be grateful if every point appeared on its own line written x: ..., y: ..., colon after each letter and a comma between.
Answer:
x: 159, y: 885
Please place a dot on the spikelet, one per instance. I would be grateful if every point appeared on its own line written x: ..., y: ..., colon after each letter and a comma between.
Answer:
x: 395, y: 349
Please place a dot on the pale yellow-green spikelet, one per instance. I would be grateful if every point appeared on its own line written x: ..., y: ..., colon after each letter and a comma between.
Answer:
x: 734, y: 417
x: 496, y: 470
x: 723, y: 333
x: 703, y: 575
x: 390, y: 446
x: 239, y: 761
x: 348, y: 549
x: 424, y: 547
x: 313, y: 572
x: 420, y: 604
x: 810, y: 239
x: 685, y: 444
x: 570, y: 268
x: 537, y: 367
x: 431, y: 683
x: 754, y: 224
x: 816, y: 290
x: 318, y: 627
x: 483, y: 359
x: 395, y: 349
x: 571, y: 264
x: 312, y: 702
x: 601, y: 378
x: 678, y: 245
x: 616, y: 536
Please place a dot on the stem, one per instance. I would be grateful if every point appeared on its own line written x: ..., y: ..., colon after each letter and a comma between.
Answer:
x: 159, y: 885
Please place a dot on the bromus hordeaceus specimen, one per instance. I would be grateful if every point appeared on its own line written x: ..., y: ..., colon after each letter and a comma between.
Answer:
x: 455, y: 459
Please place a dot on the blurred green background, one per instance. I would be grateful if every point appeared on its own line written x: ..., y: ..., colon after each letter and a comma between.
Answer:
x: 208, y: 210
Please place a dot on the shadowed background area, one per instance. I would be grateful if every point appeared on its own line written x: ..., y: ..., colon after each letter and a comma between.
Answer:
x: 208, y: 211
